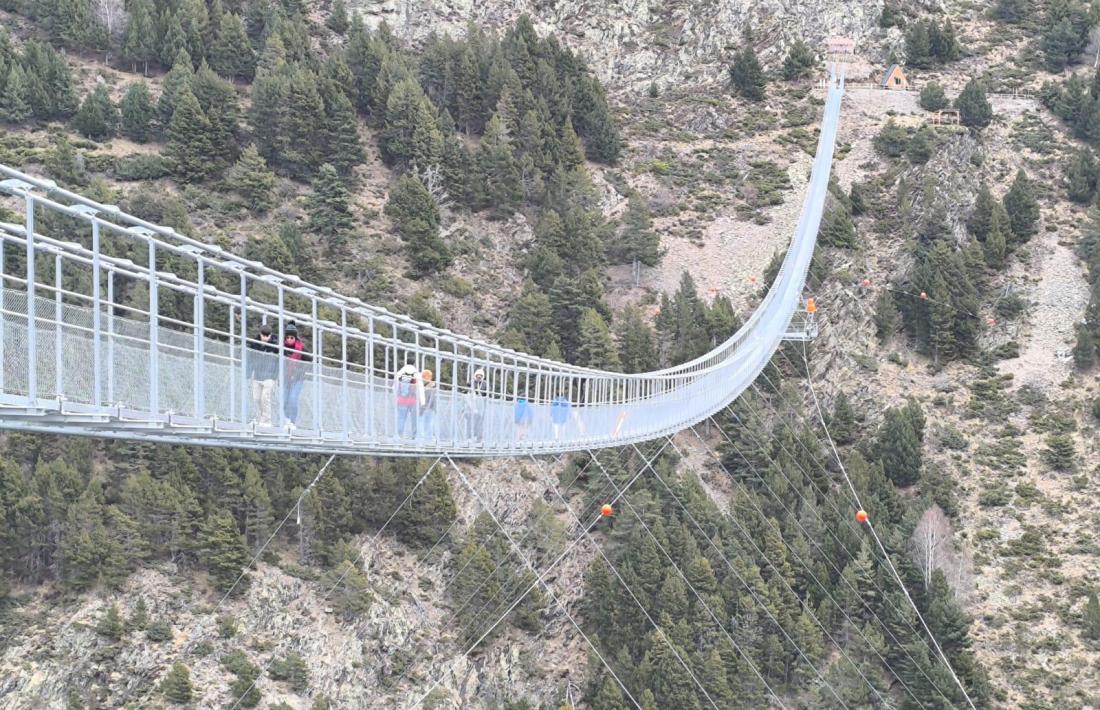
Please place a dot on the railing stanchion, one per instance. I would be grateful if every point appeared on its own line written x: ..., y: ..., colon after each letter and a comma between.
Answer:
x: 111, y: 336
x: 97, y: 354
x: 244, y: 350
x: 200, y: 340
x: 58, y: 361
x: 3, y: 321
x: 154, y: 313
x: 317, y: 335
x: 281, y: 398
x: 32, y: 326
x: 344, y: 370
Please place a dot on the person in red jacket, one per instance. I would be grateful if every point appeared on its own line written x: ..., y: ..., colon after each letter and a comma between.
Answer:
x: 295, y: 350
x: 408, y: 389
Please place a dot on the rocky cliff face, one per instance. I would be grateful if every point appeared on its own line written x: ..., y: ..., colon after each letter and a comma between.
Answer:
x: 631, y: 43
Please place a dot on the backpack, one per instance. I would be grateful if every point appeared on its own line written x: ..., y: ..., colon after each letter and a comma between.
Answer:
x: 405, y: 387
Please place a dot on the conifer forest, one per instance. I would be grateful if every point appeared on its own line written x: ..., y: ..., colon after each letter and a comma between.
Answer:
x: 901, y: 511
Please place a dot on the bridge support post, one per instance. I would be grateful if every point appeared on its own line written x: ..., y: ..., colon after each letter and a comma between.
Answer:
x: 344, y: 371
x: 97, y: 335
x: 58, y: 361
x: 154, y: 322
x: 200, y: 340
x: 32, y: 326
x: 244, y: 350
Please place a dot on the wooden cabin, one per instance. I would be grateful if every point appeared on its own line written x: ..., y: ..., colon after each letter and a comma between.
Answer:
x: 894, y: 79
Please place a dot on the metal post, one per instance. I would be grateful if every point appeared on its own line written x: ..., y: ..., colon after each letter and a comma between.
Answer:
x: 200, y: 341
x: 154, y: 354
x: 59, y: 381
x: 97, y: 335
x: 32, y: 326
x: 244, y: 350
x: 316, y: 365
x: 110, y: 336
x: 233, y: 372
x: 344, y: 370
x: 368, y: 378
x: 281, y: 398
x: 3, y: 303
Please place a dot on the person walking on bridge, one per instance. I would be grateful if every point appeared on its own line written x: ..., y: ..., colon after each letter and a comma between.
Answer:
x: 476, y: 403
x: 294, y: 350
x: 409, y: 391
x: 263, y: 367
x: 427, y: 406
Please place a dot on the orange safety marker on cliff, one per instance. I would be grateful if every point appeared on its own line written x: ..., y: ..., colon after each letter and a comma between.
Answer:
x: 606, y: 510
x: 861, y: 516
x: 923, y: 296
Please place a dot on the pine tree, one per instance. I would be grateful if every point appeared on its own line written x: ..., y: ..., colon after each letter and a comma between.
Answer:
x: 176, y: 686
x: 224, y: 552
x: 838, y: 229
x: 218, y: 100
x: 898, y: 448
x: 269, y: 101
x: 1092, y: 617
x: 747, y: 75
x: 842, y: 424
x: 996, y: 243
x: 945, y: 42
x: 329, y: 211
x: 1081, y: 174
x: 609, y: 697
x: 173, y: 41
x: 1062, y: 43
x: 799, y: 62
x: 189, y: 146
x: 974, y: 108
x: 595, y: 124
x: 410, y: 135
x: 531, y: 318
x: 110, y: 625
x: 892, y: 139
x: 595, y: 347
x: 338, y: 17
x: 637, y: 349
x: 918, y: 45
x: 343, y: 149
x: 179, y: 76
x: 98, y: 117
x: 301, y: 143
x: 1061, y: 453
x: 638, y: 243
x: 253, y: 180
x: 194, y: 21
x: 501, y: 190
x: 920, y: 145
x: 14, y: 104
x: 981, y: 216
x: 1022, y: 208
x: 137, y: 113
x: 140, y: 42
x: 932, y: 97
x: 886, y: 316
x: 231, y: 53
x: 416, y: 217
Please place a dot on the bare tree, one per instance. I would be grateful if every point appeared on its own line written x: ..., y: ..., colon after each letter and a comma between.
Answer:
x: 933, y: 549
x: 111, y: 16
x: 432, y: 179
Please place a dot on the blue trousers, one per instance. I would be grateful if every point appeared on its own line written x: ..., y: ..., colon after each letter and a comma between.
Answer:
x: 290, y: 402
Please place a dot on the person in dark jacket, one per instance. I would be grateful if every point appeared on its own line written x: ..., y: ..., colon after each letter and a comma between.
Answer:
x: 263, y: 368
x: 427, y: 407
x: 295, y: 350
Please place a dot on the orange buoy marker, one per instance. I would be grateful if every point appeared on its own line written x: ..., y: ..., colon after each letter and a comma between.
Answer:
x: 861, y: 516
x: 811, y: 306
x: 752, y: 279
x: 866, y: 283
x: 991, y: 322
x: 606, y: 510
x: 923, y: 296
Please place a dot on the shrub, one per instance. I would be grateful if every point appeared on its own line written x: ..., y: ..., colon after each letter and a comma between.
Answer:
x: 933, y: 98
x: 160, y: 630
x: 142, y: 166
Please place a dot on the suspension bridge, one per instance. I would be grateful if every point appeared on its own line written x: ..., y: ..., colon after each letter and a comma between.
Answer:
x: 120, y: 328
x: 116, y: 327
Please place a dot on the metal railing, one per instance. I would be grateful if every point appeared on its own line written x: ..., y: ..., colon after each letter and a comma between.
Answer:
x: 116, y: 327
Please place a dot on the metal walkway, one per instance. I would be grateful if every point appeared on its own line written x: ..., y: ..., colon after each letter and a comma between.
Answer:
x: 88, y: 294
